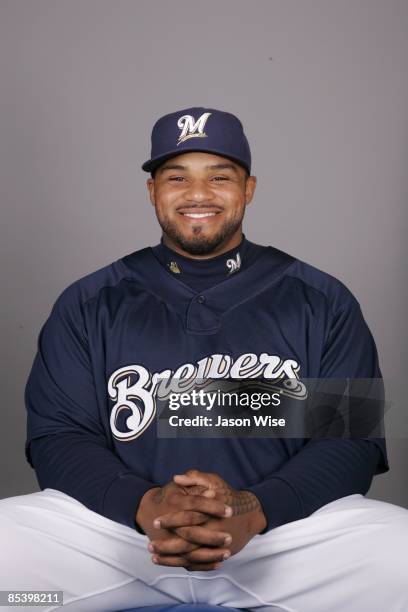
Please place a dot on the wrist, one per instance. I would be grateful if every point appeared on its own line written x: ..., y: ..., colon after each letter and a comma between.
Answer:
x: 258, y: 520
x: 143, y: 517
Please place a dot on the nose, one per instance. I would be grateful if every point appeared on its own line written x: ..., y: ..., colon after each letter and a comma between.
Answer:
x: 199, y: 191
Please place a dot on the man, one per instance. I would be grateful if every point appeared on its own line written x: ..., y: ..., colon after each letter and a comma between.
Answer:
x: 128, y: 517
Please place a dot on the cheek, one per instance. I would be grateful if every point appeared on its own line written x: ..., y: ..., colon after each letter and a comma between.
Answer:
x: 163, y: 207
x: 236, y: 207
x: 234, y: 199
x: 161, y: 213
x: 167, y: 200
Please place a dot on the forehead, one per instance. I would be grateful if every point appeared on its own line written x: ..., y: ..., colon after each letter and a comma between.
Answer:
x: 198, y: 160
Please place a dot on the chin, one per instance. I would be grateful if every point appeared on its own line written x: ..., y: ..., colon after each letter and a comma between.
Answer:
x: 199, y: 241
x: 198, y: 246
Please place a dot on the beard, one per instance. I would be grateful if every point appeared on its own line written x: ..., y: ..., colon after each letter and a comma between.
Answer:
x: 199, y: 243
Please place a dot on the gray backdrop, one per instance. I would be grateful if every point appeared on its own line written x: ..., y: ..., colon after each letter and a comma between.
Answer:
x: 322, y: 89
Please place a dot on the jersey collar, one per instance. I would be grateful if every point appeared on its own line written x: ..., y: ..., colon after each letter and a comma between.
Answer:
x: 202, y: 313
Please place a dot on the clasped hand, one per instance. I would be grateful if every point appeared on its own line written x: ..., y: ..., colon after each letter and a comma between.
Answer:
x: 198, y: 520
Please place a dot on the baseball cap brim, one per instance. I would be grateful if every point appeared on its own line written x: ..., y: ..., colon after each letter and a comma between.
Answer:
x: 152, y: 164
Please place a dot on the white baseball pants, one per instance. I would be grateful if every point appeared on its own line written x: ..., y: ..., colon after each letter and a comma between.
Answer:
x: 349, y: 556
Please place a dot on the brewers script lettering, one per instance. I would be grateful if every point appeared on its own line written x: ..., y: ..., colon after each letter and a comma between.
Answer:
x: 159, y: 385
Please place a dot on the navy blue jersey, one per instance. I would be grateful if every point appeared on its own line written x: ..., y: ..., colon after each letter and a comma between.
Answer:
x: 115, y: 337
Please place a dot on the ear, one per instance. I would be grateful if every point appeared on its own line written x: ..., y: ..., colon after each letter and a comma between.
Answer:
x: 150, y: 188
x: 250, y: 187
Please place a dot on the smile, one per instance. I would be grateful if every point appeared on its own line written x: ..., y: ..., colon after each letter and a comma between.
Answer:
x: 199, y: 215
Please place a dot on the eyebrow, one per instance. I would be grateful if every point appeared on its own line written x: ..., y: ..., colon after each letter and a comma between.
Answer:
x: 223, y: 167
x: 210, y: 167
x: 172, y: 167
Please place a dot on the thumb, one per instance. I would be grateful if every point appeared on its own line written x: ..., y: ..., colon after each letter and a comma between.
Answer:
x: 196, y: 480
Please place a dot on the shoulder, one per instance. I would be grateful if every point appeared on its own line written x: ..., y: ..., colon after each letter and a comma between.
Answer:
x: 310, y: 281
x: 332, y: 289
x: 306, y: 288
x: 78, y: 293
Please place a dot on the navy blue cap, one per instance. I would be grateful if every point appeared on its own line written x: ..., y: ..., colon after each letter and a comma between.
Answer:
x: 198, y: 129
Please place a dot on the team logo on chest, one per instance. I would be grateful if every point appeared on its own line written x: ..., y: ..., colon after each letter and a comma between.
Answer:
x: 191, y: 128
x: 134, y: 390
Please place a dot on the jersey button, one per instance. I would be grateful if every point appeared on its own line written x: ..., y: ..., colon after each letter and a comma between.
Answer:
x: 201, y: 299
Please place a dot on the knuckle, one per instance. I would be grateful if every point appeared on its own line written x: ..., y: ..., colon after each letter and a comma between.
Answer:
x: 172, y: 497
x: 195, y: 503
x: 201, y: 556
x: 189, y: 516
x: 183, y: 532
x: 193, y: 472
x: 188, y: 533
x: 190, y: 502
x: 179, y: 531
x: 177, y: 548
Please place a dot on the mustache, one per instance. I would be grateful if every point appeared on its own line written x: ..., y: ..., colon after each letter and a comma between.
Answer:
x: 207, y: 207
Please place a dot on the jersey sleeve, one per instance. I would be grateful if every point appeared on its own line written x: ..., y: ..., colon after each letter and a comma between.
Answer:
x: 66, y: 443
x: 326, y: 469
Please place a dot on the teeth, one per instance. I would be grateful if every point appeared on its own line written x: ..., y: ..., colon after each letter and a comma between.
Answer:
x: 199, y: 215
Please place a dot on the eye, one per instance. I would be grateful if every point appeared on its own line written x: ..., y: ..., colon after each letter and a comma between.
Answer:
x: 220, y: 178
x: 176, y: 178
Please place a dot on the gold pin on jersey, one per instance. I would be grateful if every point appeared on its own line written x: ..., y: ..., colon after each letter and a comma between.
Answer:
x: 174, y: 267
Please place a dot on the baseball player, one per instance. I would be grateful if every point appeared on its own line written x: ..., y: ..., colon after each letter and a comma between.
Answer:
x: 127, y: 517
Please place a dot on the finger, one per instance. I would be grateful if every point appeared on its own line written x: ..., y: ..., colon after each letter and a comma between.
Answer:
x: 177, y: 561
x: 208, y: 555
x: 199, y: 490
x: 199, y: 503
x: 209, y: 493
x: 205, y: 536
x: 197, y: 479
x: 170, y: 560
x: 172, y: 546
x: 182, y: 518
